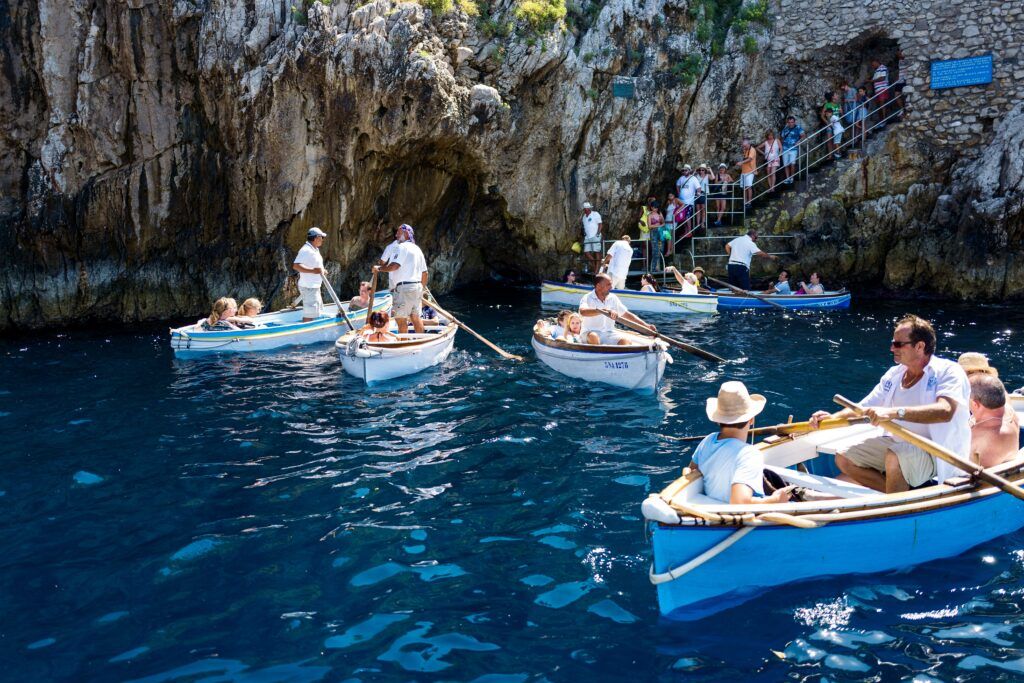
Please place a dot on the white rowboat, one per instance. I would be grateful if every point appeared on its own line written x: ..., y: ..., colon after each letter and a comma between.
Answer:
x: 672, y: 303
x: 379, y: 361
x: 638, y: 366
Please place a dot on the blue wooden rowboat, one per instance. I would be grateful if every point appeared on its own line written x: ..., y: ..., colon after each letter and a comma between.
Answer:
x: 274, y: 330
x: 709, y: 556
x: 728, y: 300
x: 665, y: 301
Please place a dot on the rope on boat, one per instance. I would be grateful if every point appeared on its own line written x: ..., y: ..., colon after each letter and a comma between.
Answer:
x: 791, y: 520
x: 709, y: 554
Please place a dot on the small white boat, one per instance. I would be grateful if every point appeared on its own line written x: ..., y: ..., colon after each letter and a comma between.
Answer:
x: 379, y: 361
x: 273, y: 331
x: 672, y: 303
x: 638, y: 366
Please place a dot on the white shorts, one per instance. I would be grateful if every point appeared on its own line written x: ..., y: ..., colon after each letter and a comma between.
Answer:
x: 607, y: 337
x: 789, y: 157
x: 837, y: 138
x: 618, y: 282
x: 407, y: 301
x: 917, y: 465
x: 312, y: 303
x: 592, y: 243
x: 746, y: 180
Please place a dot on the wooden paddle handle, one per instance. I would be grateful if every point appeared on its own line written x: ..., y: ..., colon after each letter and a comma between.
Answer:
x: 937, y: 450
x: 500, y: 351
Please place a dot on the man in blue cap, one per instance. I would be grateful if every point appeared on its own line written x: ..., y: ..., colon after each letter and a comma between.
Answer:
x: 309, y: 264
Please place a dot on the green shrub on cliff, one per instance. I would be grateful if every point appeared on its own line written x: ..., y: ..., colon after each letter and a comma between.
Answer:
x: 541, y: 15
x: 437, y: 6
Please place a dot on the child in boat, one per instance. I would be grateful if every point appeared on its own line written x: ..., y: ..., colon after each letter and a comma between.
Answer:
x: 573, y: 329
x: 554, y: 331
x: 247, y: 313
x: 733, y: 470
x: 224, y: 308
x: 377, y: 330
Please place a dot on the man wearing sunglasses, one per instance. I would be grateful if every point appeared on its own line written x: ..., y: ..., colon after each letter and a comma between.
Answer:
x: 926, y: 394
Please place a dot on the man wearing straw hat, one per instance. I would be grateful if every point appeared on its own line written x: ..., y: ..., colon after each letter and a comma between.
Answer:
x: 733, y: 470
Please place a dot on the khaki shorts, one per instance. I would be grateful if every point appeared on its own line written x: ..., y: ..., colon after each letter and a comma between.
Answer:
x: 607, y: 337
x: 618, y: 283
x: 312, y: 303
x: 917, y: 465
x: 407, y: 301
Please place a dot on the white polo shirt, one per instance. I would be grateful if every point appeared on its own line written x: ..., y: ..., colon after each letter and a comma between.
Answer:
x: 621, y: 254
x: 688, y: 186
x: 742, y: 250
x: 411, y: 262
x: 390, y: 255
x: 310, y: 257
x: 590, y: 224
x: 600, y: 322
x: 941, y: 378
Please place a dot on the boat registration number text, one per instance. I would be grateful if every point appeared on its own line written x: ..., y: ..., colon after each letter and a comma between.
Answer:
x: 616, y: 364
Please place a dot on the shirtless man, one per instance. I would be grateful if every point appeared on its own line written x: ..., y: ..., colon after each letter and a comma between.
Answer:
x: 995, y: 431
x: 361, y: 301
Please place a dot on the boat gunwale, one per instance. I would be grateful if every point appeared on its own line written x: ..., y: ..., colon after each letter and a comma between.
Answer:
x: 427, y: 339
x: 833, y: 294
x: 596, y: 349
x: 670, y: 294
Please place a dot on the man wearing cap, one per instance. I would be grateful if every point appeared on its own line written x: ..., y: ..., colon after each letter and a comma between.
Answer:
x: 733, y: 470
x: 409, y: 280
x: 617, y: 261
x: 598, y: 328
x: 740, y: 251
x: 592, y: 231
x: 926, y: 394
x: 309, y: 264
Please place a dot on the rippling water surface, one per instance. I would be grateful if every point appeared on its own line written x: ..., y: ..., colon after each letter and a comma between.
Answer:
x: 267, y: 518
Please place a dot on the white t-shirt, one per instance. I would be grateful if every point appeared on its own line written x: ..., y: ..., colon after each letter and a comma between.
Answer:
x: 941, y: 378
x: 590, y: 224
x: 412, y: 265
x: 688, y: 189
x: 689, y: 288
x: 837, y: 128
x: 621, y: 253
x: 742, y: 250
x: 390, y: 255
x: 725, y: 462
x: 600, y: 322
x: 310, y: 257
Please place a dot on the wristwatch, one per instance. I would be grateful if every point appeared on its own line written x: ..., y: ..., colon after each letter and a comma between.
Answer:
x: 901, y: 413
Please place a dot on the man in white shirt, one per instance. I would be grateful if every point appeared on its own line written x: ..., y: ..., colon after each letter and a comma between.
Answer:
x: 926, y: 394
x: 597, y: 327
x: 687, y: 187
x: 592, y: 230
x: 390, y: 256
x: 309, y: 264
x: 740, y: 251
x: 617, y: 260
x: 408, y: 281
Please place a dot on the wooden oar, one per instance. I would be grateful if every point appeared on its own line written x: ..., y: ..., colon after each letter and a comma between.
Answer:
x: 337, y: 302
x: 940, y: 452
x: 795, y: 427
x: 759, y: 297
x: 689, y: 348
x: 500, y: 351
x: 369, y: 303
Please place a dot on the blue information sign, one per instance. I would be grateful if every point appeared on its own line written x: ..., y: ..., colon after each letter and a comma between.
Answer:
x: 954, y: 73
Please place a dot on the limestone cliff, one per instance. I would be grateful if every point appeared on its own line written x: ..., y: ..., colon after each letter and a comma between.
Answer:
x: 155, y: 154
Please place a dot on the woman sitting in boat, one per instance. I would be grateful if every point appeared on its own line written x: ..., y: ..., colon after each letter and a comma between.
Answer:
x: 815, y: 288
x: 733, y: 470
x: 224, y: 308
x: 649, y: 283
x: 247, y: 313
x: 569, y: 277
x: 573, y: 332
x: 687, y: 281
x: 377, y: 330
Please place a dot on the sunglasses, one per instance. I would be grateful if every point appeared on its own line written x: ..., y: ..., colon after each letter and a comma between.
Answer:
x: 900, y: 344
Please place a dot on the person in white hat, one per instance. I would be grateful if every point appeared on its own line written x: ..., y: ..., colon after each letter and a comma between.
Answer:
x: 309, y: 264
x: 592, y: 229
x: 733, y: 470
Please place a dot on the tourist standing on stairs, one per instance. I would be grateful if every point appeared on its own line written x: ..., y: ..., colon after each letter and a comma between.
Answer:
x: 748, y: 167
x: 740, y: 251
x: 720, y: 190
x: 772, y: 150
x: 687, y: 187
x: 880, y: 82
x: 791, y: 136
x: 828, y: 110
x: 592, y: 229
x: 309, y: 264
x: 410, y: 279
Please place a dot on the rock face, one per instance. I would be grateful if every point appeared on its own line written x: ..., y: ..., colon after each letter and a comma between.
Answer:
x: 156, y: 154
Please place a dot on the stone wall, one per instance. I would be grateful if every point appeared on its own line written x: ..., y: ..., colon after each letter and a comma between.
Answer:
x: 926, y: 30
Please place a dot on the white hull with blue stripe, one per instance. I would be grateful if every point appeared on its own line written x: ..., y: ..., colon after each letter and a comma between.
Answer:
x: 673, y: 303
x: 274, y: 331
x: 709, y: 556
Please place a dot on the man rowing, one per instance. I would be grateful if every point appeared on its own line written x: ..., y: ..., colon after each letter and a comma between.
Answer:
x: 409, y: 279
x: 309, y: 264
x: 924, y: 393
x: 598, y: 328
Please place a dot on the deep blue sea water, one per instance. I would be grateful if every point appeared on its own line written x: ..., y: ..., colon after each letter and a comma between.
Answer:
x: 267, y: 518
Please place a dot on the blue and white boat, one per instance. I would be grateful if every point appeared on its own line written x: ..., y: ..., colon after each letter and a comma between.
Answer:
x: 668, y: 302
x: 273, y: 331
x: 709, y: 556
x: 729, y: 300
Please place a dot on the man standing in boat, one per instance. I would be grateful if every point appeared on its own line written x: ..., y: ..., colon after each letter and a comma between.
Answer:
x: 926, y: 394
x: 617, y: 261
x: 309, y: 263
x: 740, y: 251
x: 409, y: 279
x: 598, y: 328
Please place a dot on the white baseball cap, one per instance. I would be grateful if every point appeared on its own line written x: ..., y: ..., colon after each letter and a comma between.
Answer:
x: 586, y: 205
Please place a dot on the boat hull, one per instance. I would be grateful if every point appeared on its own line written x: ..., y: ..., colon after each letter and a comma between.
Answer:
x: 829, y: 300
x: 562, y: 294
x: 281, y: 329
x: 634, y: 370
x: 771, y: 556
x: 377, y: 363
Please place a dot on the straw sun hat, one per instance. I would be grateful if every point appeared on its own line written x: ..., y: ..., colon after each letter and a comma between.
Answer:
x: 973, y: 362
x: 734, y: 404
